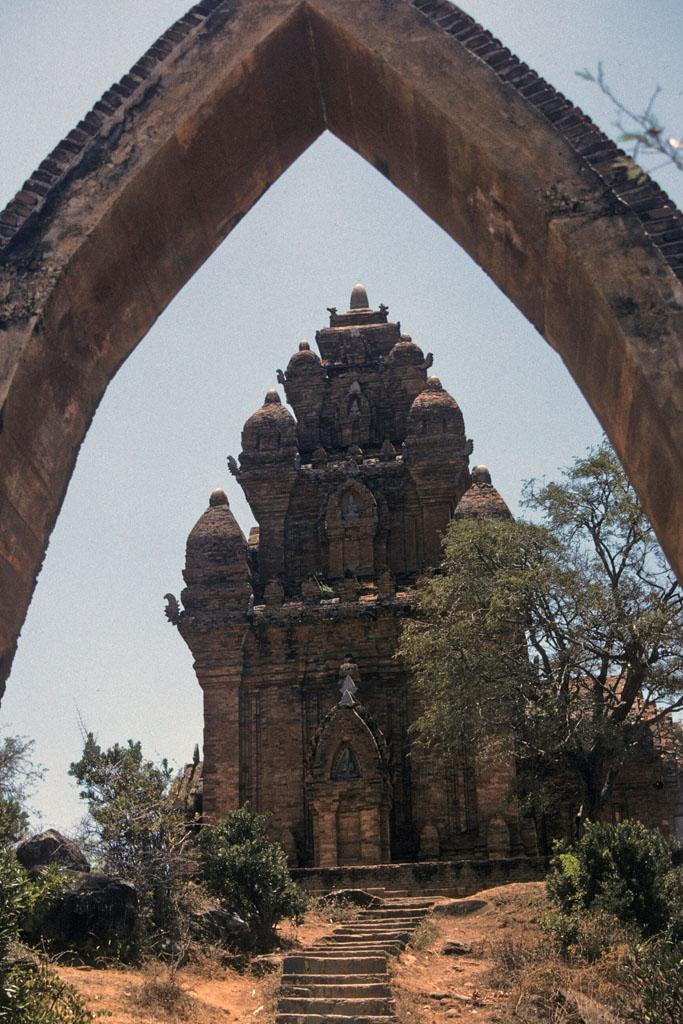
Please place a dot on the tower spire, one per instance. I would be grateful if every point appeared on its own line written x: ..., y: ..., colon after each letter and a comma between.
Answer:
x: 359, y: 297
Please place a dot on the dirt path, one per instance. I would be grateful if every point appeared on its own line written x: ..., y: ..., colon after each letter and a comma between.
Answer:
x: 432, y: 987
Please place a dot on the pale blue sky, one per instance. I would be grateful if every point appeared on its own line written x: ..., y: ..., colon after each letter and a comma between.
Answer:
x: 96, y: 643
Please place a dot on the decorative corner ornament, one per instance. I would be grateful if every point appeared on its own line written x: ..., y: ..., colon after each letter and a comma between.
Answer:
x: 172, y: 609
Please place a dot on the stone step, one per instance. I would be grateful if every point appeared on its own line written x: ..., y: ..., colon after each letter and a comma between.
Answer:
x: 387, y: 912
x: 417, y: 900
x: 371, y: 933
x: 317, y: 1018
x: 364, y: 1007
x: 346, y: 948
x: 341, y: 980
x: 387, y: 894
x: 390, y: 924
x: 381, y: 914
x: 303, y: 963
x: 405, y: 905
x: 384, y: 949
x: 335, y: 952
x: 355, y: 945
x: 342, y: 990
x: 379, y: 928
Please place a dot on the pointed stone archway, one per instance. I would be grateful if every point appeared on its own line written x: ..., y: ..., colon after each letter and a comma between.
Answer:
x: 119, y: 216
x: 348, y: 789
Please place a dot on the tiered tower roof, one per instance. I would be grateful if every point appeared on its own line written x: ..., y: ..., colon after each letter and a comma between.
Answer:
x: 354, y: 489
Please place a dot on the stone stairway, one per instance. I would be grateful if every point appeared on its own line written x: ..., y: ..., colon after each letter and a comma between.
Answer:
x: 344, y: 979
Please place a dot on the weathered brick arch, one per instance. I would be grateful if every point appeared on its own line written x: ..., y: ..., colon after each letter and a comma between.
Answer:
x: 131, y: 203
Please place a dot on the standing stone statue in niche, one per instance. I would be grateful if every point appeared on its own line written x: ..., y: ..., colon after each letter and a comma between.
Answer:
x: 351, y: 508
x: 346, y: 767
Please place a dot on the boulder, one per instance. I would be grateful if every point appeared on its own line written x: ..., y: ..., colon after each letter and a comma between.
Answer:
x: 459, y: 908
x: 51, y: 847
x: 267, y: 963
x: 218, y: 925
x: 351, y: 898
x: 453, y: 948
x: 94, y: 912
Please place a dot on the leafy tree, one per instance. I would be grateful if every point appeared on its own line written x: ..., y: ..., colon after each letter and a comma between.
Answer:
x: 249, y: 873
x: 18, y: 775
x: 560, y: 643
x: 135, y: 832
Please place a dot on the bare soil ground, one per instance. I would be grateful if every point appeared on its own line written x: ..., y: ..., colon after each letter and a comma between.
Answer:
x: 214, y: 993
x: 511, y: 973
x: 432, y: 987
x: 507, y: 975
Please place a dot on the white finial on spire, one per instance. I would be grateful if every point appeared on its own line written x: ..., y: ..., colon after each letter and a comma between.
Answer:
x: 359, y: 297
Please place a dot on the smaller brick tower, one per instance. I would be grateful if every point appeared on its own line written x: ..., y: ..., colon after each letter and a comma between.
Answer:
x: 294, y: 631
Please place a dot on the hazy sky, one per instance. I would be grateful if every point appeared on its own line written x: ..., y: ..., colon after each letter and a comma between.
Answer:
x: 96, y: 646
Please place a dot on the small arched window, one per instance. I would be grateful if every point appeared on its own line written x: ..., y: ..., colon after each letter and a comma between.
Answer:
x: 345, y: 766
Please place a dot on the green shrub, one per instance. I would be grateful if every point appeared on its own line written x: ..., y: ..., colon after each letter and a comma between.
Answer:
x: 30, y: 993
x: 15, y: 899
x: 619, y: 869
x: 249, y: 873
x: 656, y: 977
x: 673, y: 897
x: 599, y: 933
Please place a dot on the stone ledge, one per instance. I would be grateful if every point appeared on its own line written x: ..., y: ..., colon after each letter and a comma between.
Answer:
x: 443, y: 877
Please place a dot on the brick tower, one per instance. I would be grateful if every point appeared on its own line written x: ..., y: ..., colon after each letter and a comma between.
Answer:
x: 294, y: 631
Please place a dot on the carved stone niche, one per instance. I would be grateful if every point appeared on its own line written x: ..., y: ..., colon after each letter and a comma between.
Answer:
x: 273, y: 593
x: 498, y: 838
x: 350, y: 526
x: 310, y: 591
x: 353, y: 416
x: 387, y: 452
x: 289, y: 844
x: 386, y: 586
x: 319, y: 458
x: 430, y: 845
x: 348, y: 589
x: 529, y: 837
x: 349, y: 790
